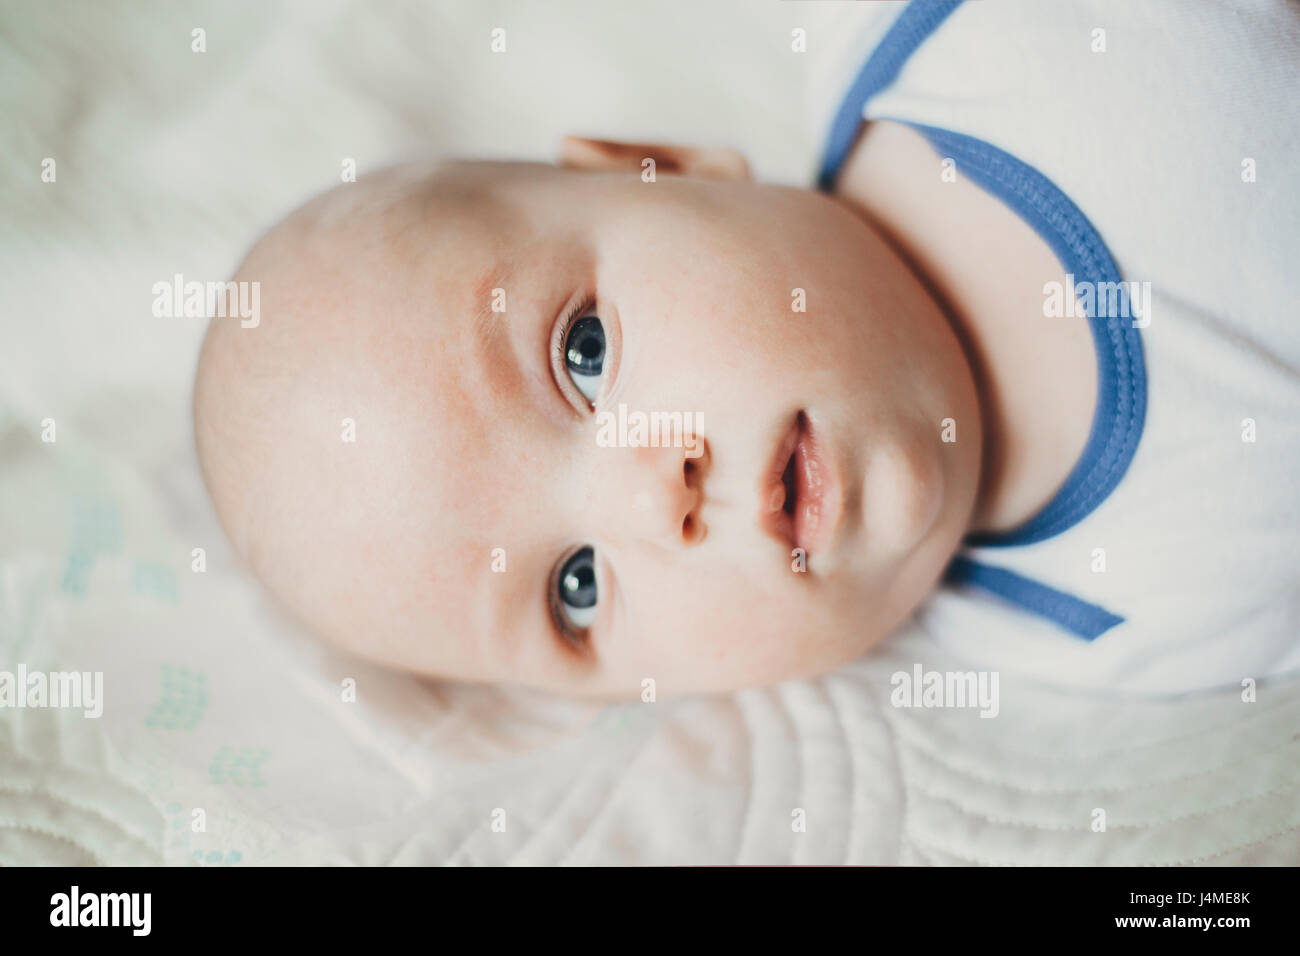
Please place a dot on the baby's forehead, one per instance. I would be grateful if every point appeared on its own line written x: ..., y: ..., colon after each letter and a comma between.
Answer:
x: 392, y: 211
x: 405, y: 250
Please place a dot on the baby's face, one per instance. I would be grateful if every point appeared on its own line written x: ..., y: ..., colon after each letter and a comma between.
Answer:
x: 489, y: 522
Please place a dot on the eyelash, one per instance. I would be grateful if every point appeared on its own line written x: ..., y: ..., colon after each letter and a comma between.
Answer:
x: 586, y: 304
x: 575, y: 638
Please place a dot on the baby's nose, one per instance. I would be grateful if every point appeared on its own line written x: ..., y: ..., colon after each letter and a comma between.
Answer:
x: 652, y: 494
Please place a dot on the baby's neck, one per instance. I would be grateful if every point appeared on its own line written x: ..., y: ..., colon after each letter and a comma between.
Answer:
x: 1036, y: 377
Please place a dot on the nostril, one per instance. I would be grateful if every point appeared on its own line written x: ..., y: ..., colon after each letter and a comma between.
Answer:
x: 692, y: 530
x: 697, y: 457
x: 694, y: 469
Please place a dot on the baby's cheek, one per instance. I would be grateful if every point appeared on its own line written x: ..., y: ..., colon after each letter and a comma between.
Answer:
x: 758, y: 642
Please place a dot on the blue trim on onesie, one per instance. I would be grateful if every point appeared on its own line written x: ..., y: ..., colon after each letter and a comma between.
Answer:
x: 1076, y: 615
x: 913, y: 26
x: 1121, y: 372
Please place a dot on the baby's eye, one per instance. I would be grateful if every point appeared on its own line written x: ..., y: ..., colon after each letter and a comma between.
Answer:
x: 584, y: 355
x: 576, y: 588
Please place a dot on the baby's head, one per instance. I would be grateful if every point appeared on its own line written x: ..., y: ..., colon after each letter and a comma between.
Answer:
x: 451, y: 443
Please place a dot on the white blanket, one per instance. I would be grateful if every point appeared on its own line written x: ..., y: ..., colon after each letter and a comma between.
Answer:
x: 169, y: 161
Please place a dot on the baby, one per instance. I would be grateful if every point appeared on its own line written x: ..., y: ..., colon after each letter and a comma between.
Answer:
x: 931, y: 369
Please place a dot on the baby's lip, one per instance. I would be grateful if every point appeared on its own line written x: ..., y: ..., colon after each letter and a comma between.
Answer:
x: 799, y: 495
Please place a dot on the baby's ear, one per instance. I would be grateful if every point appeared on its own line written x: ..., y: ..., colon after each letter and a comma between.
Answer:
x: 593, y: 155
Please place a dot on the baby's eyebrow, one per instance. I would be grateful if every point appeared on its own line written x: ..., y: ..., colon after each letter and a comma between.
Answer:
x: 498, y: 340
x: 518, y: 625
x: 510, y: 345
x: 488, y: 321
x: 491, y: 292
x: 501, y: 363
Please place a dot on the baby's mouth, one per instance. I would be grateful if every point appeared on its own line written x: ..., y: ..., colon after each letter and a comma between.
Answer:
x: 790, y: 486
x: 799, y: 496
